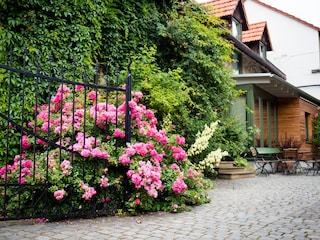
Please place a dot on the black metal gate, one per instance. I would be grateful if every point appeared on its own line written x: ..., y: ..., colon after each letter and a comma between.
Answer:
x: 56, y: 148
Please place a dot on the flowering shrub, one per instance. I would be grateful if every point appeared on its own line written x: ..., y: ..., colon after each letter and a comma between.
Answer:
x: 93, y: 163
x: 202, y: 139
x: 213, y: 158
x: 202, y: 142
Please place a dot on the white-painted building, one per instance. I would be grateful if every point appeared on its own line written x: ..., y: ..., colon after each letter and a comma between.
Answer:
x: 296, y: 45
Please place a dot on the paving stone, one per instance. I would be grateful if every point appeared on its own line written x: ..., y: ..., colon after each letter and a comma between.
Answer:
x: 265, y: 208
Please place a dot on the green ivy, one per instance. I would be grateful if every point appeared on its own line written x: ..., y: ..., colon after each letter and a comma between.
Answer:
x: 179, y: 53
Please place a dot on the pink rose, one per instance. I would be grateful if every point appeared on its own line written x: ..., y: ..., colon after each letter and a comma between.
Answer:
x: 25, y: 142
x: 179, y: 186
x: 104, y: 182
x: 130, y: 173
x: 125, y: 160
x: 85, y: 153
x: 79, y: 88
x: 27, y: 163
x: 178, y: 153
x: 180, y: 140
x: 93, y: 96
x: 136, y: 179
x: 59, y: 194
x: 118, y: 133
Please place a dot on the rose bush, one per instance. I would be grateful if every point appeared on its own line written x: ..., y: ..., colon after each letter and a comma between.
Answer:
x: 90, y: 164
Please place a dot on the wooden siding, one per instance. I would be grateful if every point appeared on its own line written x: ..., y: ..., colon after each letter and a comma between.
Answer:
x: 291, y: 122
x: 289, y: 118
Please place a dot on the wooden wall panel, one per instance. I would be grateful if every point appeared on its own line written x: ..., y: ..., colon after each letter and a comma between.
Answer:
x: 288, y: 118
x: 291, y: 122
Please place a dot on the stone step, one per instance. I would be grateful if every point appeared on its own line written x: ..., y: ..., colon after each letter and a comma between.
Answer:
x: 226, y: 170
x: 231, y: 169
x: 236, y: 175
x: 223, y: 164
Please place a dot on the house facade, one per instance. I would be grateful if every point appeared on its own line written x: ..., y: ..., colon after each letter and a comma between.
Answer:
x: 282, y: 112
x: 296, y: 45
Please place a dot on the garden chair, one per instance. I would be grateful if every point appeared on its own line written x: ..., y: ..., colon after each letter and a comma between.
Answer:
x: 290, y: 162
x: 265, y: 157
x: 315, y: 164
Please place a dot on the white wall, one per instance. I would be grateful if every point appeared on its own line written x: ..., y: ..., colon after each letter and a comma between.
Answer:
x: 295, y: 46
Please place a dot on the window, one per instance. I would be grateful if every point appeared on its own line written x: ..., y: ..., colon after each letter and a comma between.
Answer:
x: 262, y: 49
x: 239, y: 111
x: 266, y: 120
x: 236, y: 63
x: 307, y: 125
x: 236, y: 28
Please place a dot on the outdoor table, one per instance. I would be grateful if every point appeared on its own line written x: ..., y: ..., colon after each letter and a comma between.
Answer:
x: 313, y: 165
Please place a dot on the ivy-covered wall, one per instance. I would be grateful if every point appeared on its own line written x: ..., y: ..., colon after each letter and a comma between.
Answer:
x: 179, y: 52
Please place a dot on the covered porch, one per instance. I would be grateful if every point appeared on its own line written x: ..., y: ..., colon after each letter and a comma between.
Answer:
x: 282, y: 112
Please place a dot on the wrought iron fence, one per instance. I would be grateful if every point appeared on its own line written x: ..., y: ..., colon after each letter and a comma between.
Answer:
x: 51, y: 149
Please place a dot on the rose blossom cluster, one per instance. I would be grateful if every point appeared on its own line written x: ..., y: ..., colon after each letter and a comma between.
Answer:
x: 21, y: 168
x: 141, y: 149
x: 179, y: 186
x: 25, y: 142
x: 66, y: 167
x: 89, y: 192
x: 104, y: 181
x: 179, y: 154
x: 104, y: 113
x: 192, y: 173
x: 144, y: 121
x: 140, y: 115
x: 88, y: 146
x: 59, y: 194
x: 60, y: 123
x: 93, y: 96
x: 148, y: 176
x: 63, y: 92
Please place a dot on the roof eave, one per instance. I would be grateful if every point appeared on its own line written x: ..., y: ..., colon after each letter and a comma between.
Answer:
x: 275, y: 85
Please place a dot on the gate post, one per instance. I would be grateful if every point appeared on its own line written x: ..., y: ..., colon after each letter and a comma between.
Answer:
x: 128, y: 110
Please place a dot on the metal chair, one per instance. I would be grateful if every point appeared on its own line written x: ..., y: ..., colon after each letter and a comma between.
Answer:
x: 315, y: 163
x: 290, y: 162
x: 259, y: 165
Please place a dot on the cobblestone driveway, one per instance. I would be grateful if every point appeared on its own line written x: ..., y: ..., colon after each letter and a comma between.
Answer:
x: 274, y: 207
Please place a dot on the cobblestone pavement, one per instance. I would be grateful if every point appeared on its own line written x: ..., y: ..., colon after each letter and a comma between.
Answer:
x: 274, y: 207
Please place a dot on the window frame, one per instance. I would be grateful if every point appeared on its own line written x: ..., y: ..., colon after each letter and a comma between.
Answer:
x: 307, y: 120
x: 236, y: 28
x: 262, y: 50
x: 237, y: 63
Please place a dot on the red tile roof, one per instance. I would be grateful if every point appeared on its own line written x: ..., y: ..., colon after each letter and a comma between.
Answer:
x: 254, y: 33
x: 287, y: 14
x: 226, y: 8
x: 222, y: 8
